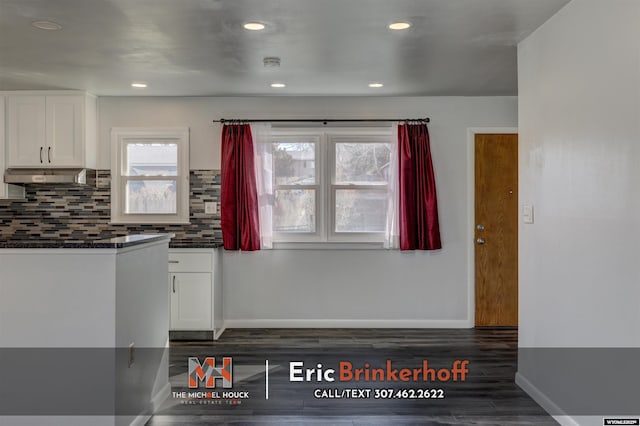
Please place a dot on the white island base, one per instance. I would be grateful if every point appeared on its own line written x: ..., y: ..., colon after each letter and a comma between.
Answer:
x: 83, y: 333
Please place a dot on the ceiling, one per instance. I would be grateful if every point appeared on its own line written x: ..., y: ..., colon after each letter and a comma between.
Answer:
x: 327, y: 47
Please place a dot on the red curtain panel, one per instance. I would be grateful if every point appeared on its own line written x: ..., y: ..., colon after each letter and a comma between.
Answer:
x: 238, y: 198
x: 418, y: 208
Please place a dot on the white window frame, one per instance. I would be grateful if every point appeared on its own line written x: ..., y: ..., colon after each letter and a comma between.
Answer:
x: 305, y: 137
x: 325, y: 234
x: 120, y: 138
x: 332, y: 141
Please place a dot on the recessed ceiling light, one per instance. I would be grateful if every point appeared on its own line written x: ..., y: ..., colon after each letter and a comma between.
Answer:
x: 399, y: 25
x: 376, y: 85
x: 254, y: 26
x: 278, y: 85
x: 139, y: 84
x: 47, y: 25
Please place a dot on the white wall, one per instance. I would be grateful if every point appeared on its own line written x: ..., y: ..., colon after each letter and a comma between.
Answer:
x: 579, y: 103
x: 307, y: 287
x: 579, y: 120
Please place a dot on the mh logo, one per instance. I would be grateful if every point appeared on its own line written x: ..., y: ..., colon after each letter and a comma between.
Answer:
x: 207, y: 372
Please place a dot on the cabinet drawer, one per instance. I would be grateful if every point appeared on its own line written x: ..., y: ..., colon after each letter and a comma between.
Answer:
x: 190, y: 262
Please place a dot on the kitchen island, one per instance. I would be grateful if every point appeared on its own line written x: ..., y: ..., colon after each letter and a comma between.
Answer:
x: 83, y: 330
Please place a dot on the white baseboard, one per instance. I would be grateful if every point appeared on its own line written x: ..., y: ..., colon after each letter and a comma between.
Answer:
x: 140, y: 420
x: 156, y: 402
x: 160, y: 397
x: 217, y: 333
x: 543, y: 400
x: 344, y: 323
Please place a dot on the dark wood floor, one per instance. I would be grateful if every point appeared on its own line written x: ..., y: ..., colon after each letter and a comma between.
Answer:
x: 488, y: 397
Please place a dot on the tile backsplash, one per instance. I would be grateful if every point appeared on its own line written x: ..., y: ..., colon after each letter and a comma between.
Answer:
x: 82, y: 213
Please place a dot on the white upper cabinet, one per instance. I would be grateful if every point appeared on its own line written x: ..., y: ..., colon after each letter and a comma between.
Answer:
x: 57, y: 130
x: 6, y: 191
x: 26, y: 132
x: 64, y: 135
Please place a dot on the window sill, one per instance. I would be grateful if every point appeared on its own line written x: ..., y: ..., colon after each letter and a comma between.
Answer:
x: 328, y: 246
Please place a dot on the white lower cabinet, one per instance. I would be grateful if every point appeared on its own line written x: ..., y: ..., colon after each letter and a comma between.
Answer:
x: 190, y: 301
x: 195, y: 291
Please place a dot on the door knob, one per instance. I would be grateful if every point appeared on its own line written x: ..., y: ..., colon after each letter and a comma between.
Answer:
x: 480, y: 241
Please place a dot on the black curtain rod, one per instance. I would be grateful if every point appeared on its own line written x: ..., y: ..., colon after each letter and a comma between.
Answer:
x: 324, y: 121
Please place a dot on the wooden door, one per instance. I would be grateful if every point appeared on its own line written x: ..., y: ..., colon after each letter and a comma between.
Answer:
x: 496, y: 230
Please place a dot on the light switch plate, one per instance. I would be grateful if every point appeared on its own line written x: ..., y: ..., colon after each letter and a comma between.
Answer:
x: 211, y: 207
x: 527, y: 214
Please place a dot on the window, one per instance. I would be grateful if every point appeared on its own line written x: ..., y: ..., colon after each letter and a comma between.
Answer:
x: 296, y: 186
x: 150, y: 175
x: 330, y: 186
x: 359, y: 184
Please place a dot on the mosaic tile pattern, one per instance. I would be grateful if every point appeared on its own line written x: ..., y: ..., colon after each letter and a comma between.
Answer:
x: 83, y: 213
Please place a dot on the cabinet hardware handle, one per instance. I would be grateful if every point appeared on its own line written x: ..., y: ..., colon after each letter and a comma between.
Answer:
x: 49, y: 154
x: 174, y: 261
x: 480, y: 241
x: 41, y: 154
x: 174, y: 283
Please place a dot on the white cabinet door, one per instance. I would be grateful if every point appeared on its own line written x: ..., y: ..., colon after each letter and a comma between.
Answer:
x: 48, y: 130
x: 190, y: 300
x: 64, y: 131
x: 6, y: 191
x: 26, y: 131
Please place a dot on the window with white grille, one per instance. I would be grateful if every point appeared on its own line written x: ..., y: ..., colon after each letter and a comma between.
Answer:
x: 330, y: 186
x: 150, y: 175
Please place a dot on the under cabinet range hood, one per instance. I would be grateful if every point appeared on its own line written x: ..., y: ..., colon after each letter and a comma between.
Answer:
x: 51, y: 176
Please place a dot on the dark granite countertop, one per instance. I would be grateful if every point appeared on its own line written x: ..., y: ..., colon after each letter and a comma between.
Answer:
x: 111, y: 243
x: 195, y: 243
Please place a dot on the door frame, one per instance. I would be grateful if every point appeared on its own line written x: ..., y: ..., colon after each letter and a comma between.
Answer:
x: 471, y: 203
